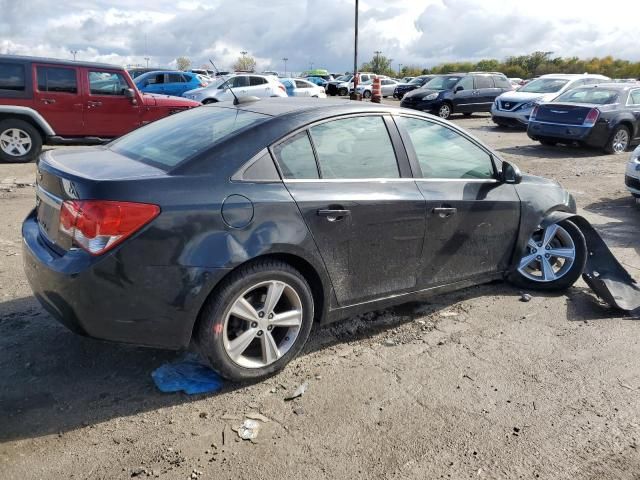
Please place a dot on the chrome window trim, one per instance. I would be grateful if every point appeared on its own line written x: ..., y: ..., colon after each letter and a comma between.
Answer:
x: 560, y: 124
x: 390, y: 180
x: 48, y: 198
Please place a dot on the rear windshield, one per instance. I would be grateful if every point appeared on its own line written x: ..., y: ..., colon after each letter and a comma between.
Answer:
x: 544, y: 85
x: 170, y: 141
x: 599, y: 96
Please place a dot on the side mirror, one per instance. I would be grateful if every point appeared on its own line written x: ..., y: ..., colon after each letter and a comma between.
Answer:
x: 131, y: 95
x: 510, y: 173
x: 459, y: 88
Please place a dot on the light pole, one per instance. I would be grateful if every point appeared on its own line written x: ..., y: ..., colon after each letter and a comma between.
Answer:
x: 399, y: 70
x: 73, y: 52
x: 310, y: 65
x: 355, y: 55
x: 377, y: 69
x: 147, y: 59
x: 284, y: 59
x: 244, y: 52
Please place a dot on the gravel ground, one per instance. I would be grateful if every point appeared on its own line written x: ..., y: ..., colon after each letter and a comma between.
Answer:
x: 475, y: 384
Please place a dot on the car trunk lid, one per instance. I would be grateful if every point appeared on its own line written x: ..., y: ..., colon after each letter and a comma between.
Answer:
x: 563, y: 113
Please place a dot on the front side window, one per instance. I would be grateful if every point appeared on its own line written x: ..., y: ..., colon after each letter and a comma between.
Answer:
x: 444, y: 153
x: 12, y: 77
x: 466, y: 83
x: 241, y: 81
x: 171, y: 140
x: 444, y: 82
x: 302, y: 84
x: 56, y: 79
x: 107, y: 83
x: 354, y: 148
x: 295, y: 157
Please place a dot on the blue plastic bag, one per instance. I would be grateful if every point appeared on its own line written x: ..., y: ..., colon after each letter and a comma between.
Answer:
x: 188, y: 374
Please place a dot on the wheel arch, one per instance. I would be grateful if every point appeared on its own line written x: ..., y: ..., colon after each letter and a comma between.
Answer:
x: 319, y: 286
x: 28, y: 115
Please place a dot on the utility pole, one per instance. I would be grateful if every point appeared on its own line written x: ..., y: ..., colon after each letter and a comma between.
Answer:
x: 73, y: 52
x: 244, y: 52
x: 147, y: 59
x: 377, y: 69
x: 284, y: 59
x: 399, y: 70
x: 355, y: 53
x: 311, y: 65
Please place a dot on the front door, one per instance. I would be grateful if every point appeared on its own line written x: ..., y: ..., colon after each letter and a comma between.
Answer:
x: 108, y: 111
x: 366, y: 218
x: 487, y: 92
x: 58, y: 99
x: 472, y: 218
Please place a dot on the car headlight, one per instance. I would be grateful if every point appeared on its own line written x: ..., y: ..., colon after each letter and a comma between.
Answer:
x: 527, y: 106
x: 431, y: 96
x: 635, y: 158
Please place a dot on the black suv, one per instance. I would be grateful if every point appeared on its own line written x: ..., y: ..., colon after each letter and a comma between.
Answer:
x: 458, y: 93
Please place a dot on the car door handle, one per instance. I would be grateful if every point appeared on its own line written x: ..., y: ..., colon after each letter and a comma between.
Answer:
x: 48, y: 101
x: 334, y: 215
x: 94, y: 104
x: 444, y: 212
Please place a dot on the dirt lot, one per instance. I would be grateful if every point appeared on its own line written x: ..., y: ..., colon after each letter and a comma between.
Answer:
x: 475, y: 384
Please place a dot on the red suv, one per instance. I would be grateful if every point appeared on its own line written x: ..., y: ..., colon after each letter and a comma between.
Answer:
x: 47, y: 101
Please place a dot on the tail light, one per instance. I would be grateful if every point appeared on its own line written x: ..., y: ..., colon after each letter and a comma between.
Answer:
x: 592, y: 117
x: 534, y: 112
x: 281, y: 87
x: 98, y: 225
x: 202, y: 84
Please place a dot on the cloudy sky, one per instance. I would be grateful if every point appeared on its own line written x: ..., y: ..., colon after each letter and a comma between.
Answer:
x: 412, y: 32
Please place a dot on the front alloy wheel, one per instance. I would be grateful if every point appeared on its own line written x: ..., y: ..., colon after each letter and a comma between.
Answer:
x: 444, y: 111
x: 553, y: 259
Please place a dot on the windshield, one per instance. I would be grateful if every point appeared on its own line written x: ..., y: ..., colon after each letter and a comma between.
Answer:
x: 344, y: 78
x: 599, y: 96
x: 544, y: 85
x: 417, y: 81
x: 442, y: 83
x: 168, y: 142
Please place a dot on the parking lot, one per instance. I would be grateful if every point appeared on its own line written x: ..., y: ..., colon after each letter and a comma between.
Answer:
x: 475, y: 384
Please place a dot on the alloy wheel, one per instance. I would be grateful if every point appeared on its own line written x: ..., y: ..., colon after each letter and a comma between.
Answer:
x: 620, y: 141
x: 15, y: 142
x: 444, y: 111
x: 550, y: 255
x: 262, y: 324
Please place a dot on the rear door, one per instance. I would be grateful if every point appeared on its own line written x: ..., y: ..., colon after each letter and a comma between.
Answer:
x: 58, y: 99
x: 464, y: 100
x: 364, y: 211
x: 633, y: 103
x: 108, y: 111
x: 174, y: 84
x: 487, y: 92
x: 472, y: 218
x: 258, y: 87
x: 153, y: 84
x: 304, y: 89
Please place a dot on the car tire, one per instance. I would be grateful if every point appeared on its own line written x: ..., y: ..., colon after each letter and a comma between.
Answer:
x: 564, y: 238
x: 16, y: 134
x: 207, y: 101
x: 445, y: 110
x: 619, y: 140
x: 343, y: 92
x: 218, y: 327
x: 547, y: 142
x: 366, y: 94
x: 467, y: 114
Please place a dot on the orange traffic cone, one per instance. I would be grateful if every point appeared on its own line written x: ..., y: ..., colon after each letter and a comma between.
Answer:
x: 376, y: 94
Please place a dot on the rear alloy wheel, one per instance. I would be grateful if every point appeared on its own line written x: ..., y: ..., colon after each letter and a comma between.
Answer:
x: 554, y: 258
x: 20, y: 142
x: 444, y: 111
x: 366, y: 94
x: 257, y: 321
x: 619, y: 141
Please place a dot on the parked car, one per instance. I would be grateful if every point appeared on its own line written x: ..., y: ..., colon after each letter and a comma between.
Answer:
x: 170, y: 83
x: 403, y: 88
x: 204, y: 72
x: 387, y: 87
x: 242, y: 236
x: 514, y: 108
x: 605, y: 116
x: 319, y: 73
x: 632, y: 175
x: 137, y: 71
x: 406, y: 79
x: 343, y: 85
x: 242, y: 85
x: 457, y: 93
x: 321, y: 82
x: 47, y: 101
x: 298, y: 87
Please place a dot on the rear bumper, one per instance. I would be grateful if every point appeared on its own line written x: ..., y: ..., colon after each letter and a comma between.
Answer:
x: 595, y: 136
x: 633, y: 183
x: 103, y: 298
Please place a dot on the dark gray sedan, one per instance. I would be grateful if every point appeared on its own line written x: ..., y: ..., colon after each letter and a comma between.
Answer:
x: 241, y: 226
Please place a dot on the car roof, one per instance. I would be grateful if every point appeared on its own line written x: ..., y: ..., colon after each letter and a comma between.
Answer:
x: 58, y: 61
x: 612, y: 86
x: 572, y: 76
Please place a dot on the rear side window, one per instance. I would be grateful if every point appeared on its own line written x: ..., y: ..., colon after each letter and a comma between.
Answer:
x: 502, y: 82
x: 483, y: 81
x: 301, y: 84
x: 107, y: 83
x: 444, y: 153
x: 356, y: 147
x: 12, y: 77
x: 175, y: 78
x: 168, y: 142
x: 634, y: 97
x: 295, y: 157
x: 255, y: 81
x: 56, y: 79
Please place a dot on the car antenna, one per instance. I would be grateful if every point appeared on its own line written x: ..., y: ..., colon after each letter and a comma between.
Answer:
x: 226, y: 80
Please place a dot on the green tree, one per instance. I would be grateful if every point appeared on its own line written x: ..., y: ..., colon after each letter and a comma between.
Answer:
x: 245, y: 63
x: 183, y: 63
x: 379, y: 65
